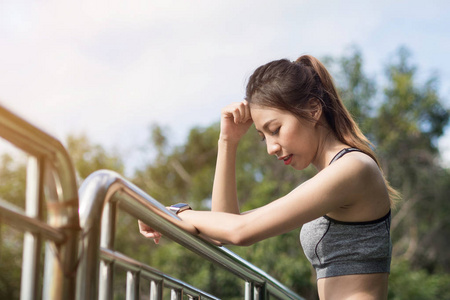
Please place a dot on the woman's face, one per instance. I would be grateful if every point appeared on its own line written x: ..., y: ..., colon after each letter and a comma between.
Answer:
x: 292, y: 140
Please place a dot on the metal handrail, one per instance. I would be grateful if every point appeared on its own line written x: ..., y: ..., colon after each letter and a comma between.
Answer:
x: 103, y: 190
x: 49, y: 167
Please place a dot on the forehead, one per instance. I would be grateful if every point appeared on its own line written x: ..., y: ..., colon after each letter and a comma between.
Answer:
x: 263, y: 115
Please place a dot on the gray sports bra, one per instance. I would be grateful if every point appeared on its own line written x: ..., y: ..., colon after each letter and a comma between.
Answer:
x: 337, y: 248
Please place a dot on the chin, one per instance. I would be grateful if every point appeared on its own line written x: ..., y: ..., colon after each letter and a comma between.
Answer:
x: 298, y: 168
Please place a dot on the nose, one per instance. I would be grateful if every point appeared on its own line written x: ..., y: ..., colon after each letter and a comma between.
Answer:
x: 272, y: 147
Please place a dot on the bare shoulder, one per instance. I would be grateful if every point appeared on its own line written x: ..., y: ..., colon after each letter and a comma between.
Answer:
x: 366, y: 195
x: 353, y: 169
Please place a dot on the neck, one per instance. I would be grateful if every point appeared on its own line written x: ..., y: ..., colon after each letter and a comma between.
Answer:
x: 327, y: 148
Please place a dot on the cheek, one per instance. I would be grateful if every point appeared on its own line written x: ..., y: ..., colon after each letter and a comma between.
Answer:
x: 303, y: 141
x: 298, y: 137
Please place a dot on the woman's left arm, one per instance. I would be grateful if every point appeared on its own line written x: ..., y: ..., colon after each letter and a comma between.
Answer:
x: 335, y: 186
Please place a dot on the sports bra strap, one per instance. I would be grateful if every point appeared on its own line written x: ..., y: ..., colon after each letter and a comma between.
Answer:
x: 342, y: 153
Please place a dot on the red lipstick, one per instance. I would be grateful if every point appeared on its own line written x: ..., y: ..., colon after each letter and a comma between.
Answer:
x: 287, y: 159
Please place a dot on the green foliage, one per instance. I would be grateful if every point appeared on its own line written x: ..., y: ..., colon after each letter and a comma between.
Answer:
x: 356, y: 89
x: 10, y: 263
x: 414, y: 112
x: 409, y: 121
x: 282, y: 258
x: 89, y: 157
x: 12, y: 178
x: 407, y: 283
x: 12, y: 189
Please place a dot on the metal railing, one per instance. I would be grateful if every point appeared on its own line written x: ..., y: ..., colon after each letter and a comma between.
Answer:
x: 79, y: 254
x: 107, y: 190
x: 50, y: 176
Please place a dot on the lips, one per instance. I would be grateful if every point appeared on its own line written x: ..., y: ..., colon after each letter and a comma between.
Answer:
x: 287, y: 159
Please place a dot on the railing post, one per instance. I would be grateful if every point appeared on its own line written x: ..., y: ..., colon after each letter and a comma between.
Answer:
x: 156, y: 290
x: 106, y: 271
x: 260, y: 292
x: 248, y: 290
x: 61, y: 260
x: 32, y: 242
x: 133, y: 285
x: 176, y: 294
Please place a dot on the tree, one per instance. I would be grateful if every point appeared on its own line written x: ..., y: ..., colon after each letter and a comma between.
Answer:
x: 89, y: 157
x: 357, y: 90
x: 409, y: 122
x: 12, y: 189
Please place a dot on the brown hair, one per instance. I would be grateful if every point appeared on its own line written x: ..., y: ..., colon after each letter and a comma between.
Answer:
x: 289, y: 86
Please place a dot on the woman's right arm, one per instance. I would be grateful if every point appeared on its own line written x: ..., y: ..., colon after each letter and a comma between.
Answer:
x: 235, y: 122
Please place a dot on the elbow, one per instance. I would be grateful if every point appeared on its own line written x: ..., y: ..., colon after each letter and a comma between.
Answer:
x: 241, y: 241
x: 241, y: 237
x: 245, y: 242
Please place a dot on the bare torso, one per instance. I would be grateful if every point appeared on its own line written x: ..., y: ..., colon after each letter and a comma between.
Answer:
x: 354, y: 287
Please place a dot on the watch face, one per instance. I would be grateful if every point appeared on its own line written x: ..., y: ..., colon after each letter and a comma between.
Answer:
x: 179, y: 205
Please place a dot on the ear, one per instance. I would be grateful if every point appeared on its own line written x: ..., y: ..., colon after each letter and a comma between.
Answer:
x: 315, y: 109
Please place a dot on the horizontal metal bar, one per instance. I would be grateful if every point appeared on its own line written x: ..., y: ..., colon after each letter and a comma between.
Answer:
x: 16, y: 217
x: 150, y: 273
x: 126, y: 198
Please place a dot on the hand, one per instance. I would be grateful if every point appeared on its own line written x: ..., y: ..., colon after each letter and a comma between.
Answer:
x: 149, y: 232
x: 235, y: 121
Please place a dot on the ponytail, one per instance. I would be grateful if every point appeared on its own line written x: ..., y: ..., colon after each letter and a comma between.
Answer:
x: 339, y: 118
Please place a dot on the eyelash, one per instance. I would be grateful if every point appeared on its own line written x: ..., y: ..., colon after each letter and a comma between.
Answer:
x: 272, y: 133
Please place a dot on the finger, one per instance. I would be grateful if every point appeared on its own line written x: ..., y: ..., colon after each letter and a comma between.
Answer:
x: 244, y: 112
x: 227, y: 112
x: 236, y: 115
x: 246, y: 109
x: 157, y: 237
x: 152, y: 234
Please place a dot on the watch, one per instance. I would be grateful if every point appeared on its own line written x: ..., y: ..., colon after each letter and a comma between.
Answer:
x: 179, y: 207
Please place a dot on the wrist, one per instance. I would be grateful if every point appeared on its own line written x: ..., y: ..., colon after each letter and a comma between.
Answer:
x: 227, y: 142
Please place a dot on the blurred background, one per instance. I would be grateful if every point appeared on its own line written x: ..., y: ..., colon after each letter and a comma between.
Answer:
x: 137, y: 87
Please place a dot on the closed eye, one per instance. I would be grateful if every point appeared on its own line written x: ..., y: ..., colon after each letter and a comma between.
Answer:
x: 263, y: 138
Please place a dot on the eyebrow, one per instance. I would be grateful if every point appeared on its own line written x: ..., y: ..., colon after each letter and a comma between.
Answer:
x: 266, y: 125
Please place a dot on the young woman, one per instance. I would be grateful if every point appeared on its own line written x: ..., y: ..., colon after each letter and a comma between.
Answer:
x: 344, y: 210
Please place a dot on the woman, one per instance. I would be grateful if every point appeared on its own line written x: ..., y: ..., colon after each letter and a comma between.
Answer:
x: 344, y: 210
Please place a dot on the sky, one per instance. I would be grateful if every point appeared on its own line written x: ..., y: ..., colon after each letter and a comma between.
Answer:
x: 111, y: 69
